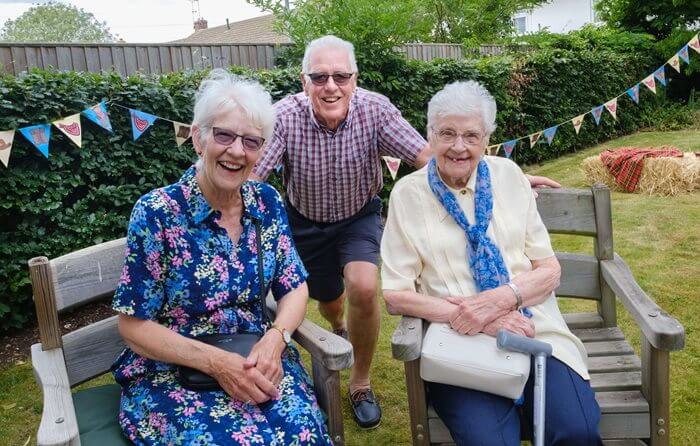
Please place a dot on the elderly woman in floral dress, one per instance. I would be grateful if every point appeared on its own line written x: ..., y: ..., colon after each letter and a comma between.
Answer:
x: 191, y: 270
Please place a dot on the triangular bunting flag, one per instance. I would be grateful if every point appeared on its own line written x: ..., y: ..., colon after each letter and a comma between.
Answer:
x: 38, y: 135
x: 508, y: 147
x: 683, y: 54
x: 675, y: 62
x: 98, y: 114
x: 660, y: 75
x: 634, y: 93
x: 549, y: 134
x: 493, y: 149
x: 70, y: 126
x: 6, y: 138
x: 611, y: 105
x: 597, y: 112
x: 182, y: 132
x: 534, y: 138
x: 393, y: 165
x: 650, y: 83
x: 140, y: 122
x: 577, y: 121
x: 695, y: 43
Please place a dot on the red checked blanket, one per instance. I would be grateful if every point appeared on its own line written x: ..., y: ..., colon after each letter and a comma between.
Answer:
x: 626, y: 163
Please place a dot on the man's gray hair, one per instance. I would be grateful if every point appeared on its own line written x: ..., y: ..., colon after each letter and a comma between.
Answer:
x: 222, y: 92
x: 463, y: 98
x: 328, y: 42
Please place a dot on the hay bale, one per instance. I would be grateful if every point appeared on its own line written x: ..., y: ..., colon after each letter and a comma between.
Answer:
x: 665, y: 176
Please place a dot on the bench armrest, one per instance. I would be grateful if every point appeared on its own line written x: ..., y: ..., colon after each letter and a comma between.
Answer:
x: 59, y: 425
x: 661, y: 330
x: 407, y: 340
x: 334, y: 352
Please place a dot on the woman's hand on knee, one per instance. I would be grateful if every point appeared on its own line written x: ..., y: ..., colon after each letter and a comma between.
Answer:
x: 245, y: 384
x: 266, y: 357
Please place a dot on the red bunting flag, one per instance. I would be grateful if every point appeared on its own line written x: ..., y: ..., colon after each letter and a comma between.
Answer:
x: 393, y: 165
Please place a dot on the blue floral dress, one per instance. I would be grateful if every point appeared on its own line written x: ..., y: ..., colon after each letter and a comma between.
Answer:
x: 183, y: 271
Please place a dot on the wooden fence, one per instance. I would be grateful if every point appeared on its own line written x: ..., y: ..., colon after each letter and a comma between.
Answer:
x: 129, y: 59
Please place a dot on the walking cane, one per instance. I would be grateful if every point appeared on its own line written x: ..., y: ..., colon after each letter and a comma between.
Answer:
x: 539, y: 350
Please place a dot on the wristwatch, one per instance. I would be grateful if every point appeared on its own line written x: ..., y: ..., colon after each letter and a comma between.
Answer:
x: 285, y: 334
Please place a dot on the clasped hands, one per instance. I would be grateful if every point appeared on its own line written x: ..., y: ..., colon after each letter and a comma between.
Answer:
x: 482, y: 314
x: 254, y: 379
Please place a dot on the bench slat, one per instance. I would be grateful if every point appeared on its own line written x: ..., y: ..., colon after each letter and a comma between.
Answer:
x: 88, y: 274
x: 608, y: 348
x: 599, y: 334
x: 567, y: 211
x: 583, y: 320
x: 608, y: 364
x: 602, y: 382
x: 579, y: 276
x: 91, y: 350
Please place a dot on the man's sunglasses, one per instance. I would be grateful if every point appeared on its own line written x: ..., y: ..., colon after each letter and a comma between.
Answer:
x: 322, y: 78
x: 227, y: 137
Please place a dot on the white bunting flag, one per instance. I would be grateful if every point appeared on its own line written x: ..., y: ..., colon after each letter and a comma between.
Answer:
x: 6, y: 138
x: 611, y: 105
x: 70, y: 126
x: 577, y: 121
x: 695, y: 43
x: 393, y: 165
x: 182, y: 132
x: 534, y: 138
x: 675, y: 62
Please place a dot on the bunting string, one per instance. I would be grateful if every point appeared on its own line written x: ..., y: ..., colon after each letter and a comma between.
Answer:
x: 650, y: 81
x: 39, y: 135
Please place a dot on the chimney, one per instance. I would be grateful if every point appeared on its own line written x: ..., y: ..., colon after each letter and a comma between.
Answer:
x: 200, y: 24
x: 227, y: 24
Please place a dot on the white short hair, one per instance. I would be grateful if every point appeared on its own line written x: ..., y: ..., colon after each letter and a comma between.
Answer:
x: 329, y: 42
x: 222, y: 92
x: 463, y: 98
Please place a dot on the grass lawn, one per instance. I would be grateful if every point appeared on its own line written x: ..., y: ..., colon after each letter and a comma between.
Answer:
x: 658, y: 237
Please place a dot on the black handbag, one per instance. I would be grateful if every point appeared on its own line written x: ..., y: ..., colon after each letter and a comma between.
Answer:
x: 241, y: 343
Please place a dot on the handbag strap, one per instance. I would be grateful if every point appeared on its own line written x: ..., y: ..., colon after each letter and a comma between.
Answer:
x: 261, y: 272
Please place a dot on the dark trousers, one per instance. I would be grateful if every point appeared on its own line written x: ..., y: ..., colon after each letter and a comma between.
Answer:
x: 483, y: 419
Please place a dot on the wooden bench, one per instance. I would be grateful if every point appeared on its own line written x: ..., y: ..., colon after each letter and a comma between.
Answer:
x: 61, y: 363
x: 633, y: 395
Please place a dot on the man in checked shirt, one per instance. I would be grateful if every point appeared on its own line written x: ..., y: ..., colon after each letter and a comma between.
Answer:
x: 330, y: 139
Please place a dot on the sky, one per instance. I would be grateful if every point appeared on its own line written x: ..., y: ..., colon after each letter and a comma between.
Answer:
x: 144, y: 21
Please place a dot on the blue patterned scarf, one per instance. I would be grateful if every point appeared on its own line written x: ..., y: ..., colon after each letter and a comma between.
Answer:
x: 485, y: 259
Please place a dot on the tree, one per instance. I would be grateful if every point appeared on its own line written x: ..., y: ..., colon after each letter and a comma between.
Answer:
x: 55, y: 22
x: 658, y: 17
x: 386, y: 23
x: 473, y: 21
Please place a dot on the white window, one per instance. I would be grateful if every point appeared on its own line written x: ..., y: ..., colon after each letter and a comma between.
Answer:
x: 520, y: 24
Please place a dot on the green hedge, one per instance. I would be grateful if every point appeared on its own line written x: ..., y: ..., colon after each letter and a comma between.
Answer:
x: 79, y: 197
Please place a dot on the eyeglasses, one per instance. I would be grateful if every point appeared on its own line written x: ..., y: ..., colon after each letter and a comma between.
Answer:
x: 321, y: 78
x: 449, y: 136
x: 227, y: 137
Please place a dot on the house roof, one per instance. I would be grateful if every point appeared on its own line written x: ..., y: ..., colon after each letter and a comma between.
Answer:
x: 255, y: 30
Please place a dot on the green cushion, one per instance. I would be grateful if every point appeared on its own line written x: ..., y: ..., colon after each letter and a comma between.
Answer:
x: 97, y: 409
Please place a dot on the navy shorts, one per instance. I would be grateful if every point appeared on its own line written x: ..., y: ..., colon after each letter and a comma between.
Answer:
x: 325, y: 248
